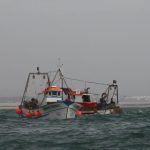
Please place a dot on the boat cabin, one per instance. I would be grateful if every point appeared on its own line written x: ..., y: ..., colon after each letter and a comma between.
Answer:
x: 53, y: 94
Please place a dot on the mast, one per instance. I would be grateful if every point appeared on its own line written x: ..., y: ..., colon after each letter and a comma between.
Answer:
x: 62, y: 82
x: 117, y: 94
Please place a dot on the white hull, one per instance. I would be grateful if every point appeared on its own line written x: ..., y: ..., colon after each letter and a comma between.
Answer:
x: 57, y: 110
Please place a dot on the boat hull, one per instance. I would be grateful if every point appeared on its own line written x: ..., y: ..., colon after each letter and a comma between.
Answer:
x: 58, y: 110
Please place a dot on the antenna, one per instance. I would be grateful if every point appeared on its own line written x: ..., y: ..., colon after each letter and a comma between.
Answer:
x: 59, y: 63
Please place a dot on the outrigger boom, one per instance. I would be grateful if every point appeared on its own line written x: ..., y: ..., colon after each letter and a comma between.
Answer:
x: 33, y: 76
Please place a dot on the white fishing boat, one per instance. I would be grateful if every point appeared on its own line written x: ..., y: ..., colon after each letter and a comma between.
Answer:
x: 51, y: 103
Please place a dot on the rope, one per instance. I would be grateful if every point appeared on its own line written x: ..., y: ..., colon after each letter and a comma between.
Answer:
x: 86, y: 81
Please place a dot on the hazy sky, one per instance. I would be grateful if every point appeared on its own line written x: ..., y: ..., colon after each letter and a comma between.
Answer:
x: 98, y: 40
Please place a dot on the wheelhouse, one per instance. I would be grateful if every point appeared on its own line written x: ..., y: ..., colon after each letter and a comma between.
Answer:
x: 53, y: 94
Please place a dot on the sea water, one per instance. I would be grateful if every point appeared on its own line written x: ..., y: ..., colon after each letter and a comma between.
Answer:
x: 129, y: 130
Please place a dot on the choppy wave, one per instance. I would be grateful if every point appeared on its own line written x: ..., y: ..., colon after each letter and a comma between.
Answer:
x: 129, y: 130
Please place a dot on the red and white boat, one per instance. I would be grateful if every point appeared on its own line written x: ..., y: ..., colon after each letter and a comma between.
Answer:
x: 106, y: 104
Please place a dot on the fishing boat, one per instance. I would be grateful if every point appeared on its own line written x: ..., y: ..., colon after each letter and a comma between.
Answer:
x: 56, y: 100
x: 107, y: 103
x: 52, y: 102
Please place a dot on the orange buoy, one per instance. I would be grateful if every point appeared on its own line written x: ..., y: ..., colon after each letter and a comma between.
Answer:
x: 37, y: 114
x: 33, y: 113
x: 18, y: 111
x: 29, y: 115
x: 78, y: 113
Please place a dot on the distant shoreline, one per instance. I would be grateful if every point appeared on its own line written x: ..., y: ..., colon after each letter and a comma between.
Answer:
x: 8, y: 105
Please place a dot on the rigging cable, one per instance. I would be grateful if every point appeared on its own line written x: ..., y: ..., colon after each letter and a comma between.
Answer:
x: 86, y: 81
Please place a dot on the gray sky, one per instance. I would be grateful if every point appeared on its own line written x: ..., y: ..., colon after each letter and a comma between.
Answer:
x: 98, y: 40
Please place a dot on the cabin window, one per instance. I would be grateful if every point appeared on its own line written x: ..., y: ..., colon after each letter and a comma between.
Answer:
x: 86, y: 98
x: 54, y: 93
